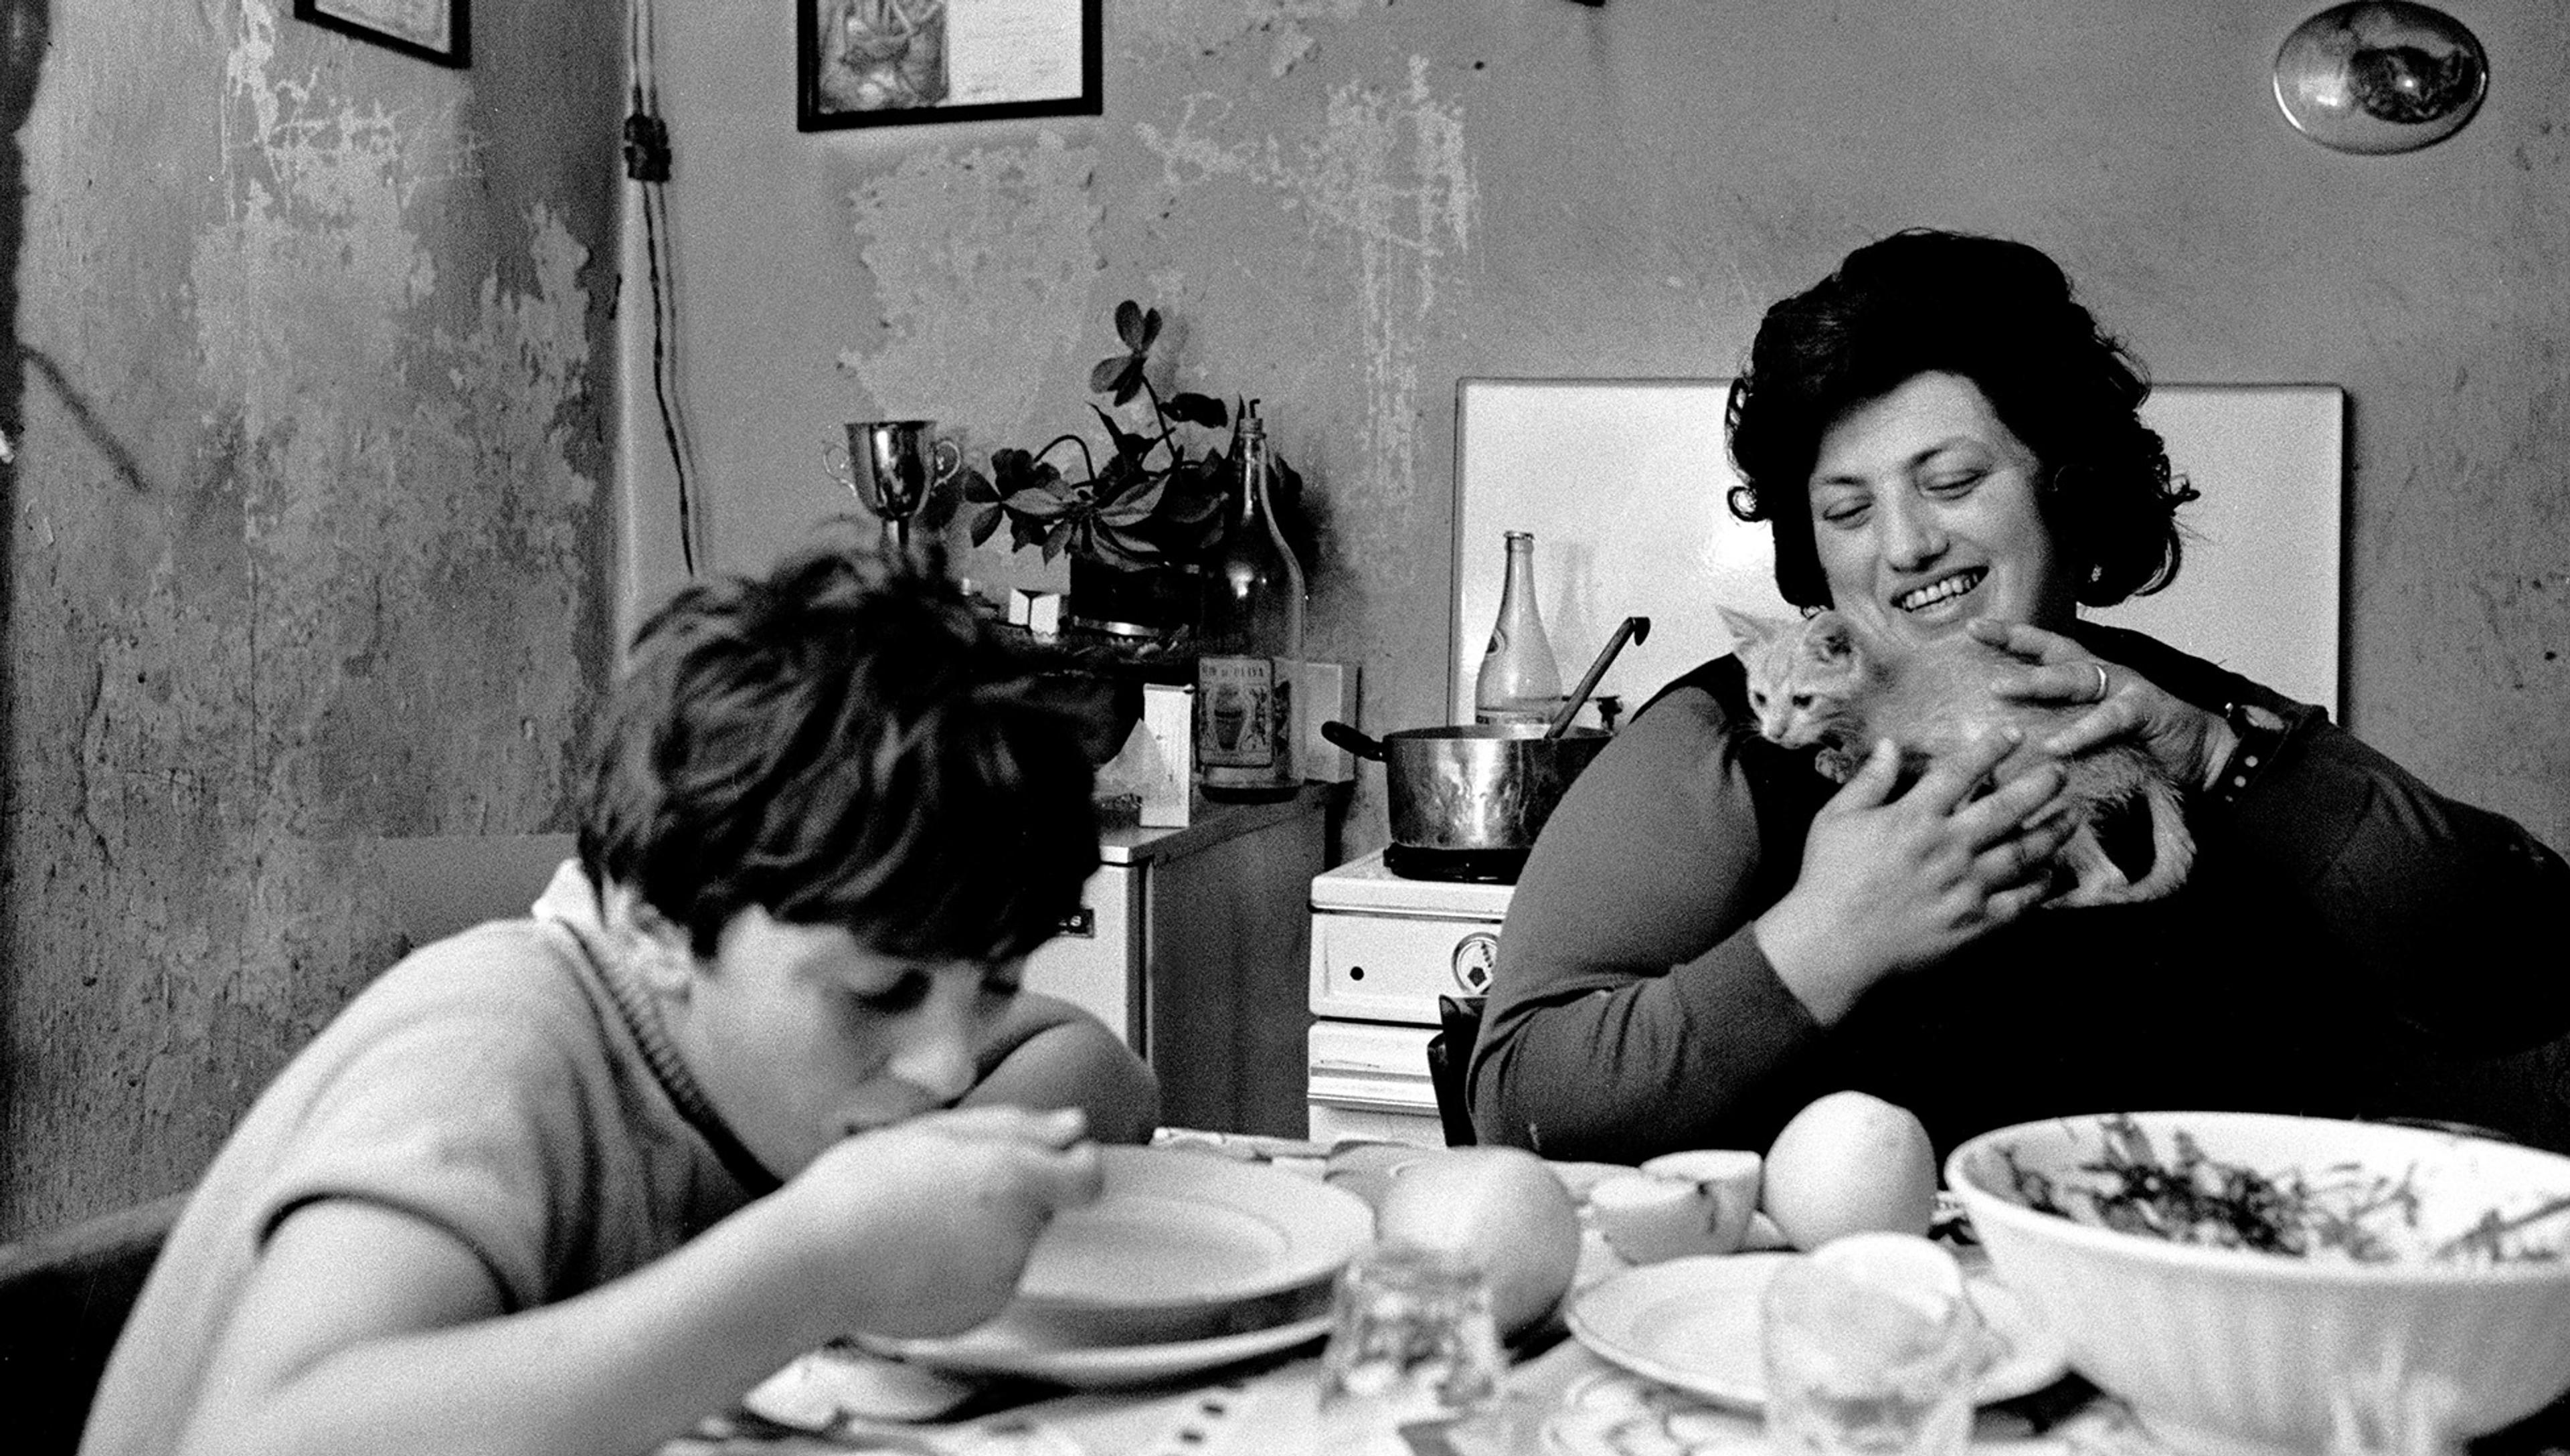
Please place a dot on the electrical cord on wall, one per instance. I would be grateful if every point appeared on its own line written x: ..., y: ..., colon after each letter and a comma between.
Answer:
x: 646, y: 161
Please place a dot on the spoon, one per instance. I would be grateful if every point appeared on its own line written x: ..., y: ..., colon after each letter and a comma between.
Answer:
x: 1639, y: 628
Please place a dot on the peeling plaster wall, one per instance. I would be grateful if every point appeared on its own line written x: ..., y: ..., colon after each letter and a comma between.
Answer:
x: 1344, y: 205
x: 312, y: 422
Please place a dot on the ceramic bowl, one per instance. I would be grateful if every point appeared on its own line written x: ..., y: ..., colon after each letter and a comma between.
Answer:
x: 2237, y: 1349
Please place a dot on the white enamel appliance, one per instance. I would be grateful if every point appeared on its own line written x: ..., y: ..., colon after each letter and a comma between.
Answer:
x: 1384, y: 948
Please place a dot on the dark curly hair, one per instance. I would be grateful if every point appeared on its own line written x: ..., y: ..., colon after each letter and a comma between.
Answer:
x: 2002, y: 315
x: 842, y: 741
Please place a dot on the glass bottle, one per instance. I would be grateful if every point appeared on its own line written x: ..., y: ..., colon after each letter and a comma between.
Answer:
x: 1519, y: 680
x: 1251, y: 644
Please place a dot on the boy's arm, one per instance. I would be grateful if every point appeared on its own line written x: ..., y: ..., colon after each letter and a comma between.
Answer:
x: 366, y: 1328
x: 1047, y: 1052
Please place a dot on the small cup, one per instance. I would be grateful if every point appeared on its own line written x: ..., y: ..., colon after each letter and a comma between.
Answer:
x: 1871, y: 1348
x: 1678, y: 1204
x: 1411, y: 1339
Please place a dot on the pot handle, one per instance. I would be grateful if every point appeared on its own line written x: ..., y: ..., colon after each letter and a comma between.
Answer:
x: 1347, y: 737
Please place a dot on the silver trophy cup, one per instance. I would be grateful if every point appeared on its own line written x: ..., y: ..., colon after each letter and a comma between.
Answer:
x: 890, y: 466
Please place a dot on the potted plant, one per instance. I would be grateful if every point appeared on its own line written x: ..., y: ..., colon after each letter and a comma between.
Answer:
x: 1137, y: 527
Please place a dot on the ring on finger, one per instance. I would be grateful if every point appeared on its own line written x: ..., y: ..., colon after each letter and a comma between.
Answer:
x: 2102, y: 686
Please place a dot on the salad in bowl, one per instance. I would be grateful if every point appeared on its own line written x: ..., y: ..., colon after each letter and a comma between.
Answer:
x: 2253, y: 1282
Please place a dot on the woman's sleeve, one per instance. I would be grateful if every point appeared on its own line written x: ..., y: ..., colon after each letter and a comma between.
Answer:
x: 2452, y: 914
x: 1631, y: 1010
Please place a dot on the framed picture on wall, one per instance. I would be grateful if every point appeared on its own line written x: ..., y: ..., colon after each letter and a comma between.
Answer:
x: 432, y: 30
x: 881, y: 63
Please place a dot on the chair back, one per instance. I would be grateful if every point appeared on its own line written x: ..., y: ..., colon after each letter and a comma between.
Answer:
x: 1450, y: 1055
x: 64, y: 1298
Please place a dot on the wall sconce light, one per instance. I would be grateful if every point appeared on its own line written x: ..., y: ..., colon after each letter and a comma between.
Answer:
x: 2381, y: 76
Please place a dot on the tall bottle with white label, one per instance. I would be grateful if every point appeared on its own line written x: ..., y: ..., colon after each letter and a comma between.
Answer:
x: 1519, y: 682
x: 1251, y: 646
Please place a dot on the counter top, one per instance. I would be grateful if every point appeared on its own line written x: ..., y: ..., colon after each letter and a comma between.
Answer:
x: 1209, y: 823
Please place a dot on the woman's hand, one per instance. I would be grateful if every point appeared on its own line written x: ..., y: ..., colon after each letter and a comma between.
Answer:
x: 1892, y: 883
x: 2189, y: 743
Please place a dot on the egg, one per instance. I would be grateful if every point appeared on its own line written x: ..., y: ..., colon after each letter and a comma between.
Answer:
x: 1500, y: 1207
x: 1849, y: 1163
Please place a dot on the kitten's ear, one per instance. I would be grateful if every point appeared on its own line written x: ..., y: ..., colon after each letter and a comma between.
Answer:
x: 1828, y: 638
x: 1747, y: 629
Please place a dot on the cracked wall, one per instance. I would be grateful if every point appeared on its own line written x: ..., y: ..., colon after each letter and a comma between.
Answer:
x: 309, y: 548
x: 1344, y: 206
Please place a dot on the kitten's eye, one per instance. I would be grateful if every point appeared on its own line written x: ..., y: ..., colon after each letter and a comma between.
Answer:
x: 1802, y: 700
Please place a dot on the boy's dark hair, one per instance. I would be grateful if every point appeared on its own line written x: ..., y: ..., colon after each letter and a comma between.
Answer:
x: 843, y: 741
x: 2002, y: 315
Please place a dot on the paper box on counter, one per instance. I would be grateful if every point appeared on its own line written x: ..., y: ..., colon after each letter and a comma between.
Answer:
x: 1158, y: 763
x: 1038, y: 611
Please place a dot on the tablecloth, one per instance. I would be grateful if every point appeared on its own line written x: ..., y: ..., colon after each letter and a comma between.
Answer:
x: 1561, y: 1399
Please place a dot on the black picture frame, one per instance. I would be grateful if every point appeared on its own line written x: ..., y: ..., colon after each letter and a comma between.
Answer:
x: 445, y: 38
x: 898, y: 81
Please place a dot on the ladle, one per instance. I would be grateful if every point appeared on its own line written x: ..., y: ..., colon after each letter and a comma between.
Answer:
x: 1637, y: 628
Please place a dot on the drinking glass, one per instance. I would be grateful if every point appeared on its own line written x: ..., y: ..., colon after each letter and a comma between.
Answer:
x: 1871, y: 1349
x: 1411, y: 1339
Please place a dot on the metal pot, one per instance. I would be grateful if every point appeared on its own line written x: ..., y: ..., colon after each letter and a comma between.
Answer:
x: 1472, y: 786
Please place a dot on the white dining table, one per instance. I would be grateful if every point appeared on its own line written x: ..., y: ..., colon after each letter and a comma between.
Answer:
x: 1560, y: 1399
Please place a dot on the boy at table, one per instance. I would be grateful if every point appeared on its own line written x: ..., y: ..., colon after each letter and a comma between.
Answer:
x: 755, y: 1073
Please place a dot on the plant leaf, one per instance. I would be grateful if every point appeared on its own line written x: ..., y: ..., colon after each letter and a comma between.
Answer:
x: 984, y: 520
x: 977, y: 488
x: 1191, y: 513
x: 1189, y: 510
x: 1124, y: 550
x: 1011, y: 471
x: 1042, y: 505
x: 1060, y: 538
x: 1134, y: 326
x: 1136, y: 504
x: 1197, y: 409
x: 1019, y: 473
x: 1108, y: 373
x: 1129, y: 446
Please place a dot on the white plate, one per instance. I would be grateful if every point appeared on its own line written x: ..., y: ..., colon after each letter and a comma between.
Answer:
x: 999, y: 1349
x: 1693, y: 1323
x: 1179, y: 1230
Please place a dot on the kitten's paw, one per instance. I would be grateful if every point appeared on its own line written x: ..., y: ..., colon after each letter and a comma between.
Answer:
x: 1834, y: 765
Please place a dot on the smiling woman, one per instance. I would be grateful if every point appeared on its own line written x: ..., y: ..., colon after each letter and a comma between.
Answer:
x: 1924, y: 516
x: 1947, y: 444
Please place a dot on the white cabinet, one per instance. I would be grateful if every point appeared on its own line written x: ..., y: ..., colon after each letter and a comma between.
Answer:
x: 1196, y: 946
x: 1093, y: 963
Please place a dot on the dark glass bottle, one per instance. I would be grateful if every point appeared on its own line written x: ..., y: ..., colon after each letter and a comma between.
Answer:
x: 1251, y: 643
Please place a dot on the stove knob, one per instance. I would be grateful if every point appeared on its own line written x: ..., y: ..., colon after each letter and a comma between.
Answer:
x: 1474, y: 954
